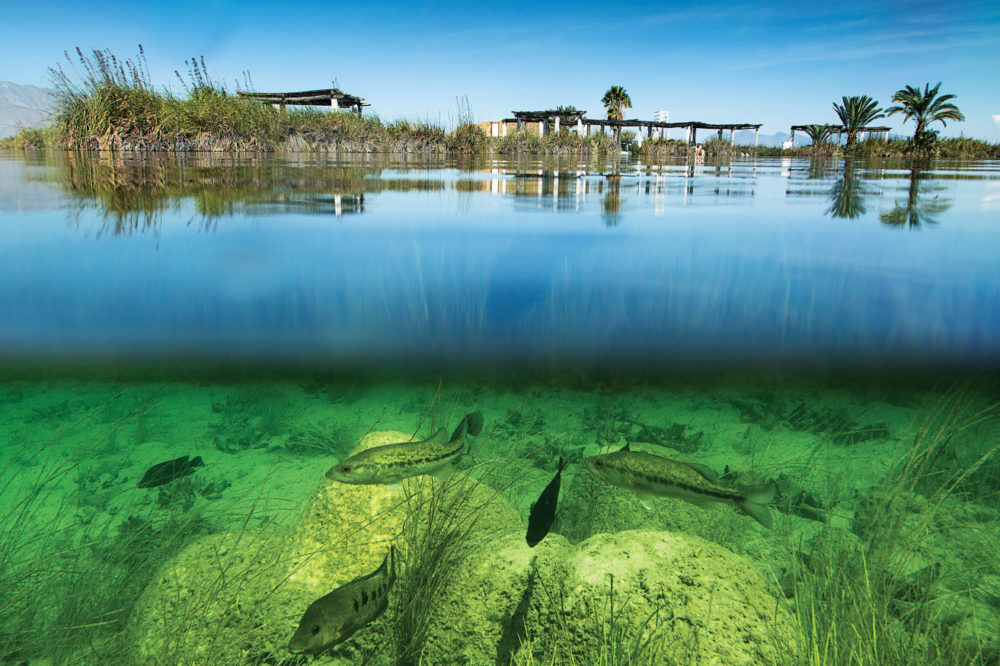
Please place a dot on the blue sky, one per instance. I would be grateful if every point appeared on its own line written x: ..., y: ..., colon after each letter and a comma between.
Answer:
x: 775, y: 63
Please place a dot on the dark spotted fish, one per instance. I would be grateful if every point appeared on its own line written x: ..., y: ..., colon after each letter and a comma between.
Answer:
x: 165, y: 472
x: 649, y: 474
x: 391, y: 463
x: 543, y: 512
x: 335, y: 617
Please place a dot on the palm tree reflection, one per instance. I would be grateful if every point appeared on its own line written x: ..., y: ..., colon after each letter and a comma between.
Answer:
x: 612, y: 201
x: 920, y: 207
x: 848, y: 194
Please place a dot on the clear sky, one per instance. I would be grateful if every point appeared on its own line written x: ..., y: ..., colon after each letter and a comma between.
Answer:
x: 777, y: 63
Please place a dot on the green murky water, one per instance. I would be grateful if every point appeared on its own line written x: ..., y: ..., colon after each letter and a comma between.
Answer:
x: 830, y: 329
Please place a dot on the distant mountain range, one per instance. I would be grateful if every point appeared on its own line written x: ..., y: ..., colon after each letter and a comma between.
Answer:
x: 23, y: 106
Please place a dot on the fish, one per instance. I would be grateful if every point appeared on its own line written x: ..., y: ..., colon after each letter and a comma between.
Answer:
x: 652, y: 475
x: 391, y: 463
x: 171, y: 470
x: 543, y: 512
x: 335, y: 617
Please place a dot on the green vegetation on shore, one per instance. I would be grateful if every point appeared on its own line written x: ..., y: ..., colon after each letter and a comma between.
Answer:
x: 108, y: 104
x: 111, y: 105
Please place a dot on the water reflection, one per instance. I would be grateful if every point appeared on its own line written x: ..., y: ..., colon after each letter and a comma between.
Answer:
x: 854, y: 189
x: 923, y: 203
x: 133, y: 195
x: 612, y: 201
x: 848, y: 194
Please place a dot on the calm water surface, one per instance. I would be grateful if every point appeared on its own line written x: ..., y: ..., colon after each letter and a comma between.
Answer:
x: 288, y: 258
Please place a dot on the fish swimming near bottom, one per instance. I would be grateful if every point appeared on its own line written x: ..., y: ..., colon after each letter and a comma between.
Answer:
x: 335, y: 617
x: 543, y: 512
x: 649, y: 474
x: 391, y: 463
x: 165, y: 472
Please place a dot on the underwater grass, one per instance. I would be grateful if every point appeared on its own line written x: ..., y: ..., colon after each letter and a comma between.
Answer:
x: 862, y: 600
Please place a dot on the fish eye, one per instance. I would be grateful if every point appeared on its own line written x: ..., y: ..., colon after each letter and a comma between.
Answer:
x: 598, y: 463
x: 345, y: 468
x: 315, y: 629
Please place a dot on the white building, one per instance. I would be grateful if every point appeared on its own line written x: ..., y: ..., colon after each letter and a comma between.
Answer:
x: 661, y: 117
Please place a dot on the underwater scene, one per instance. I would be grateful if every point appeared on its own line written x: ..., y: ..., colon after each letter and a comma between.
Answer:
x: 298, y: 409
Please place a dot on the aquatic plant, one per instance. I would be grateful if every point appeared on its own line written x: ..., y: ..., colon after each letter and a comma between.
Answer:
x: 866, y: 599
x: 439, y: 532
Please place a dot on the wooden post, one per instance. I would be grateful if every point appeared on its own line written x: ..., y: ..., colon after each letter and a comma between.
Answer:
x: 557, y: 124
x: 720, y: 134
x: 333, y: 102
x: 579, y: 127
x: 541, y: 127
x: 756, y: 136
x: 504, y: 130
x: 694, y: 135
x: 793, y: 137
x: 732, y: 136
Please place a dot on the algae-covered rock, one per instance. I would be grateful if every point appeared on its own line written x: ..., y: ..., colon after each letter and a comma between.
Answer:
x: 237, y: 597
x: 673, y: 598
x: 479, y: 619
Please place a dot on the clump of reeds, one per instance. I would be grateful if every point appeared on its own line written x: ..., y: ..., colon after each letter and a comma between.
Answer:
x: 858, y: 599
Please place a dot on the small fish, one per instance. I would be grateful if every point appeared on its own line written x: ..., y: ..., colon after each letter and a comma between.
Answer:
x: 391, y: 463
x: 543, y: 512
x: 334, y: 618
x: 651, y: 475
x: 165, y: 472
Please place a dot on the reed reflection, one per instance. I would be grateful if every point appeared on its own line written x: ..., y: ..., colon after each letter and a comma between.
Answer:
x: 134, y: 194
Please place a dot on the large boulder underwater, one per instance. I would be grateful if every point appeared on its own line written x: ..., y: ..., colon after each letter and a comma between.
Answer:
x: 484, y: 597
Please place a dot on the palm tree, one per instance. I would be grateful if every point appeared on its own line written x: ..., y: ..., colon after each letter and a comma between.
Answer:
x: 856, y: 113
x: 924, y: 108
x: 615, y: 101
x: 818, y: 134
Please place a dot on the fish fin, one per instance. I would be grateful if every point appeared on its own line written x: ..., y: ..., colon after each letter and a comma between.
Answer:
x: 562, y: 463
x: 646, y: 500
x: 196, y: 462
x: 756, y: 501
x: 443, y: 473
x: 705, y: 471
x: 440, y: 436
x: 474, y: 423
x: 625, y: 448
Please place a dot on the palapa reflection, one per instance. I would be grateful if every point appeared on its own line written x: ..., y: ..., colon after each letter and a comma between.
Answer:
x: 921, y: 206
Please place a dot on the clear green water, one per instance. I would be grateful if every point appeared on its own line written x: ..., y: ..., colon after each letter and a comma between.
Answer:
x: 830, y: 328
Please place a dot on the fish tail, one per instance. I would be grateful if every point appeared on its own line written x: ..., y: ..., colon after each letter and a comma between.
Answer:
x: 471, y: 424
x: 196, y: 462
x: 755, y: 501
x: 562, y: 463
